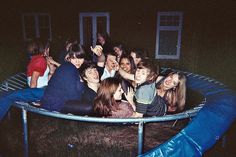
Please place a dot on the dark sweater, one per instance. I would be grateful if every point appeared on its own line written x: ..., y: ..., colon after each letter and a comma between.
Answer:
x: 63, y: 86
x: 88, y: 95
x: 148, y: 102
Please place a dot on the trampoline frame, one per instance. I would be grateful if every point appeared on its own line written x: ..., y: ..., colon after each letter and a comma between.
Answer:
x: 18, y: 81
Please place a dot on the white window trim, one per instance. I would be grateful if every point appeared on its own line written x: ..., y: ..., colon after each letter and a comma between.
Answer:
x: 37, y: 33
x: 94, y: 16
x: 176, y: 28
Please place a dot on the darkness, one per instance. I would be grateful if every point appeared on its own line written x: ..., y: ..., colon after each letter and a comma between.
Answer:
x: 208, y: 38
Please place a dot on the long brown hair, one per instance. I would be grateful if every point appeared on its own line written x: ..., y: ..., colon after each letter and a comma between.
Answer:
x: 104, y: 102
x: 176, y: 96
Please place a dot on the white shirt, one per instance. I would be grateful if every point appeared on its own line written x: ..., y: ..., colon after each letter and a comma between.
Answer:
x: 107, y: 74
x: 42, y: 80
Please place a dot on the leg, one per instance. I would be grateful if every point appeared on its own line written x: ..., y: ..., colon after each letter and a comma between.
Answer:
x: 29, y: 94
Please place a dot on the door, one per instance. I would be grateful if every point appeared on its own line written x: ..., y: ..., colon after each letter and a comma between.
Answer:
x: 90, y: 24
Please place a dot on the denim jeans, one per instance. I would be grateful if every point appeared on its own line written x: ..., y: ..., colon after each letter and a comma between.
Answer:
x: 26, y: 95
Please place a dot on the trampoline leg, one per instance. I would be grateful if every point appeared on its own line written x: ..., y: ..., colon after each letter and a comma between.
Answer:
x: 25, y: 129
x: 140, y: 138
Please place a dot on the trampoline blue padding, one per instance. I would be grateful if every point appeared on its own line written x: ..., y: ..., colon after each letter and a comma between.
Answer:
x: 207, y: 127
x: 213, y: 117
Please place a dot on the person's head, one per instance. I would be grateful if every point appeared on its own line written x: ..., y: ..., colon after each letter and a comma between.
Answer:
x: 76, y: 55
x: 69, y: 42
x: 138, y: 55
x: 175, y: 84
x: 109, y: 92
x: 127, y: 64
x: 118, y: 49
x: 173, y: 80
x: 103, y: 37
x: 110, y: 61
x: 38, y: 47
x: 89, y: 73
x: 146, y: 72
x: 31, y: 47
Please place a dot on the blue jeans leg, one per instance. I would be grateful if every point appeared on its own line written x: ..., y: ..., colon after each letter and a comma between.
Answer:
x: 29, y: 94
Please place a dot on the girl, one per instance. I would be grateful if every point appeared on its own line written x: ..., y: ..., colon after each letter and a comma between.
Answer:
x: 119, y: 50
x: 65, y: 83
x: 38, y: 69
x: 173, y: 89
x: 108, y: 101
x: 168, y: 97
x: 127, y: 64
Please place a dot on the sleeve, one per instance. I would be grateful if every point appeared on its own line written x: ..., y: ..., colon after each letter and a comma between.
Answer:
x: 39, y: 65
x: 141, y: 108
x: 124, y: 111
x: 145, y: 94
x: 100, y: 71
x: 144, y: 97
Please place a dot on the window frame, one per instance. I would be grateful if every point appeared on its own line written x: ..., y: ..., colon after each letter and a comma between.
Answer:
x: 94, y: 16
x: 169, y: 28
x: 37, y: 26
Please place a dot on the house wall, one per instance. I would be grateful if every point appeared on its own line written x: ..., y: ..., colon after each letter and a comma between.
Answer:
x: 208, y: 35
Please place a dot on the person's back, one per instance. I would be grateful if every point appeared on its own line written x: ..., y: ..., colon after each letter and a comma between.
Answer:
x: 124, y: 110
x: 38, y: 64
x: 62, y: 86
x: 37, y: 69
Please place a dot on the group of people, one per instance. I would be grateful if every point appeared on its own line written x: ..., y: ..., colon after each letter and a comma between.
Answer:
x: 113, y: 83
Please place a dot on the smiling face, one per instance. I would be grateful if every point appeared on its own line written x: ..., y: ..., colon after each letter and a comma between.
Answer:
x: 171, y: 81
x: 125, y: 65
x: 118, y: 94
x: 77, y: 62
x: 141, y: 75
x: 91, y: 75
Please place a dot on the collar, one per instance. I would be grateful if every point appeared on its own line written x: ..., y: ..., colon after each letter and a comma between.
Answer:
x: 143, y: 84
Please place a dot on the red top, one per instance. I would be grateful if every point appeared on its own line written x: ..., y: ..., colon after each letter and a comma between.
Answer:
x: 37, y: 63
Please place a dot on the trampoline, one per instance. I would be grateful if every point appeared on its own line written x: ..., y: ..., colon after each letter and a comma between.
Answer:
x: 193, y: 140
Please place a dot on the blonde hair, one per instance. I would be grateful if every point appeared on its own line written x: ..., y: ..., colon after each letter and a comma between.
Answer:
x: 176, y: 96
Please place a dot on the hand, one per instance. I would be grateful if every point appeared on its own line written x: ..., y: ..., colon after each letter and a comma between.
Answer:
x: 130, y: 97
x: 50, y: 60
x: 130, y: 93
x: 116, y: 66
x: 97, y: 50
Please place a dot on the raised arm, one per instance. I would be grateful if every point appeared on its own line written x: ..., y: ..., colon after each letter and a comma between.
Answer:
x: 126, y: 75
x: 52, y: 61
x: 101, y: 57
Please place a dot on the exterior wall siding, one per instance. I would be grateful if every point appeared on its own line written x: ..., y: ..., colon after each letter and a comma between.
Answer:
x: 208, y: 35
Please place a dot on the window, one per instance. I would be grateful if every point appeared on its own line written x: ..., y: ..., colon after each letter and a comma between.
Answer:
x: 36, y: 26
x: 168, y: 37
x: 90, y: 24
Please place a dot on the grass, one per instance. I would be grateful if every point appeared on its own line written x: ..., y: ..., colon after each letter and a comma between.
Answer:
x: 50, y: 137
